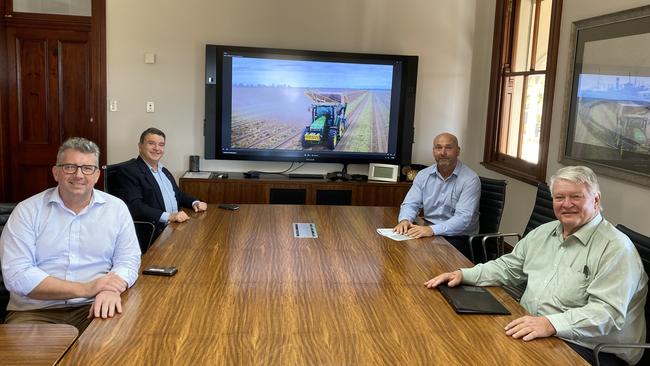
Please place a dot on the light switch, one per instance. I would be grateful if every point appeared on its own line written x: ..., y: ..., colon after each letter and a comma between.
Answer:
x: 113, y: 106
x: 150, y: 107
x: 149, y: 58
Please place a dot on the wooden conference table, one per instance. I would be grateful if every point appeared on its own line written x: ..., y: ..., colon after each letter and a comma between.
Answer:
x: 248, y: 293
x: 34, y: 344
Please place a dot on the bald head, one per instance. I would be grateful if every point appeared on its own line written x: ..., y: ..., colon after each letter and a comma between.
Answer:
x: 447, y: 137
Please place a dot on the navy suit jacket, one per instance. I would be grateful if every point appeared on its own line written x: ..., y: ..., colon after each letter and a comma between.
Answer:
x: 139, y: 189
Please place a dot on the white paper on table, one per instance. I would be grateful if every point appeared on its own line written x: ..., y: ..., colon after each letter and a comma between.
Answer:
x: 389, y: 233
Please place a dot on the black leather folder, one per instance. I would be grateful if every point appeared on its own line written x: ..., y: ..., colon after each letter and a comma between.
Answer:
x: 472, y: 300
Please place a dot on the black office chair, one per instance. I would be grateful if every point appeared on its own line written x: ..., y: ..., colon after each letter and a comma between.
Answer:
x: 5, y: 211
x: 542, y: 213
x: 493, y: 196
x: 144, y: 229
x: 642, y: 244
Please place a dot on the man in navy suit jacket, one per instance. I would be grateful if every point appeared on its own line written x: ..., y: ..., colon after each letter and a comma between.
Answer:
x: 149, y: 189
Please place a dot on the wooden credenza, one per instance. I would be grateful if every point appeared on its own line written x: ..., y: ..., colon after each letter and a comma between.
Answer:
x: 281, y: 190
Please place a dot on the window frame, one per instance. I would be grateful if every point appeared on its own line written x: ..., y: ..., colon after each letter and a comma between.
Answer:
x: 502, y: 55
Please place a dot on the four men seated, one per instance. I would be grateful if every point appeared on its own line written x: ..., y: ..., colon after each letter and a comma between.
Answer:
x: 69, y: 252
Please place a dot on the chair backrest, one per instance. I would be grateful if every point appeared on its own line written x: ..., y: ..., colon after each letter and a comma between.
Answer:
x: 543, y: 209
x: 493, y: 196
x: 110, y: 176
x: 642, y: 244
x: 145, y: 231
x: 5, y: 211
x: 542, y: 213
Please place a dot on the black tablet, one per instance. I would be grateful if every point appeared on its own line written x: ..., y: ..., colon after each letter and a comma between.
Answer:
x: 472, y: 300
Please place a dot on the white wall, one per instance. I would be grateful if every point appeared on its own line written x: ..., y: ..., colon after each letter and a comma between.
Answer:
x: 440, y: 32
x: 624, y: 202
x: 452, y: 37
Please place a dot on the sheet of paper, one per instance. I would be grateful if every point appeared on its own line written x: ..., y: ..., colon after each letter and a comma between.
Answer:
x: 197, y: 175
x: 389, y: 233
x: 304, y: 230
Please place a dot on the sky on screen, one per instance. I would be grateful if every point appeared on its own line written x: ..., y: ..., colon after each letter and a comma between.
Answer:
x: 310, y: 74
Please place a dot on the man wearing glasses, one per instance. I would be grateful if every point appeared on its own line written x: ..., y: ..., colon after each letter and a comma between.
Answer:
x: 70, y: 251
x: 584, y: 279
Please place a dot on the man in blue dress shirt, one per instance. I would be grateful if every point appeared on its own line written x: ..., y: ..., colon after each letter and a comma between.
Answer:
x: 69, y: 251
x: 448, y: 192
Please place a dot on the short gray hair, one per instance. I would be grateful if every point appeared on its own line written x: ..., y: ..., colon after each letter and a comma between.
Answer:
x: 577, y: 174
x: 80, y: 144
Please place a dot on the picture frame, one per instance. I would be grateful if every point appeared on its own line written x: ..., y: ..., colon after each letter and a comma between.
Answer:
x: 606, y: 122
x: 383, y: 172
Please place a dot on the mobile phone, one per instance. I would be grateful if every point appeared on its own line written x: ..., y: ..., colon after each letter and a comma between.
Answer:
x: 228, y: 206
x: 160, y: 270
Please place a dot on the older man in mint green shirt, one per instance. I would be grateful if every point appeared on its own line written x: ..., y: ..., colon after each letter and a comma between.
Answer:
x: 586, y: 282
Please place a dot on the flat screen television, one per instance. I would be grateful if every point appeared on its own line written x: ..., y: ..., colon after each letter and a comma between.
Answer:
x: 308, y: 106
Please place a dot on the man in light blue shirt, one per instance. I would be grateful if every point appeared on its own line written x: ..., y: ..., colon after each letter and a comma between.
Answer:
x: 585, y: 280
x: 70, y: 251
x: 448, y: 192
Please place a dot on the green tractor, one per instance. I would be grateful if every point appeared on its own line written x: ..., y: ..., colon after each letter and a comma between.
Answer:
x: 327, y: 126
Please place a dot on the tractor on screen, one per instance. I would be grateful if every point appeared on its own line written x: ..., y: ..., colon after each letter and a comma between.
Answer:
x: 328, y: 121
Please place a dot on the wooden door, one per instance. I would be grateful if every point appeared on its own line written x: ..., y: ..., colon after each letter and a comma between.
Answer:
x: 55, y: 89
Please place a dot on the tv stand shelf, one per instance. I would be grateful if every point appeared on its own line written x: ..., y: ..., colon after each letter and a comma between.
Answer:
x: 277, y: 189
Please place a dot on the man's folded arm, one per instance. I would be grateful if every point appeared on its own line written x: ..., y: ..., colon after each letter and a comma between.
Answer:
x: 412, y: 202
x: 126, y: 257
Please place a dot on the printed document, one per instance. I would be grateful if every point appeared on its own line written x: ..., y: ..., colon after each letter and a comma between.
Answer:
x: 389, y: 233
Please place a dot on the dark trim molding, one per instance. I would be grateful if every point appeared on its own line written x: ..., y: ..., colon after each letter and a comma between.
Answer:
x: 492, y: 159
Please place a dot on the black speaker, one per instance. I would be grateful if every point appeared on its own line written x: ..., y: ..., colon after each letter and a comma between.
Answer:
x: 194, y: 163
x: 210, y: 130
x: 407, y: 109
x: 340, y: 197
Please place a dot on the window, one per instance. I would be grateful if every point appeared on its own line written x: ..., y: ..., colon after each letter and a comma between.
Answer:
x: 524, y: 55
x: 62, y: 7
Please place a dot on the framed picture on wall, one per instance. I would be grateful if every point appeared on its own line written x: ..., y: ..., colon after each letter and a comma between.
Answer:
x: 606, y: 123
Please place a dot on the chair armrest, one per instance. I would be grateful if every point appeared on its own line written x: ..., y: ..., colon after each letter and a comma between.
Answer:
x: 602, y: 346
x: 151, y: 226
x: 499, y: 247
x: 470, y: 241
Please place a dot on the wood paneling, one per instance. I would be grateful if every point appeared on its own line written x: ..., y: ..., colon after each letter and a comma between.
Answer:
x: 53, y: 87
x: 257, y: 191
x: 74, y: 87
x: 248, y: 293
x: 49, y: 97
x: 32, y: 85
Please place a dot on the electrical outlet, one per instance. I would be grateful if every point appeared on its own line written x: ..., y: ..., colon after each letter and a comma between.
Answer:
x: 150, y: 107
x: 113, y: 106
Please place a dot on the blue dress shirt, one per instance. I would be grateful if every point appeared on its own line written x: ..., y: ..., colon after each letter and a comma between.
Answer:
x: 44, y: 238
x: 451, y: 205
x: 167, y: 190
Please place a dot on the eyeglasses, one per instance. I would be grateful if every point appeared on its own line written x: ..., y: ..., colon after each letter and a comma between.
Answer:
x: 72, y: 168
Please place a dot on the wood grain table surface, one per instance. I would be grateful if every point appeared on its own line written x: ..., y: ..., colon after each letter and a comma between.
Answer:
x: 248, y: 293
x: 34, y: 344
